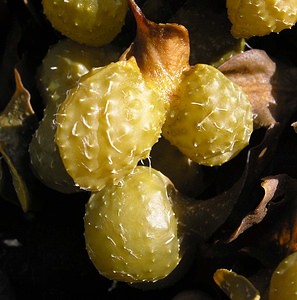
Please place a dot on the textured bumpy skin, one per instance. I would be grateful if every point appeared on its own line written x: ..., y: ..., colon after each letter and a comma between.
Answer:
x: 261, y: 17
x: 211, y: 120
x: 45, y: 157
x: 283, y: 284
x: 107, y: 124
x: 63, y: 65
x: 65, y: 62
x: 131, y: 230
x: 91, y: 22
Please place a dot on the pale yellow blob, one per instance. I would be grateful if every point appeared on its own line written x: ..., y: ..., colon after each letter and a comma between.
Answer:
x: 261, y: 17
x: 131, y: 230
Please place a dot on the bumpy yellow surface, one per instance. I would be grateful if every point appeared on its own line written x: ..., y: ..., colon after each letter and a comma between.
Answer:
x: 283, y: 283
x: 211, y: 120
x: 45, y: 158
x: 91, y: 22
x: 261, y: 17
x: 64, y: 63
x: 107, y: 124
x: 131, y: 229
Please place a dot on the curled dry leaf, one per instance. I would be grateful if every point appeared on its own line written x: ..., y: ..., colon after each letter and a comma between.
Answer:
x: 255, y: 217
x: 276, y: 222
x: 17, y: 123
x: 161, y: 50
x: 235, y: 286
x: 270, y: 86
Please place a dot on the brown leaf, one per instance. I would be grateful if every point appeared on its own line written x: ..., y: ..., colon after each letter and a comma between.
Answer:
x: 255, y: 217
x: 161, y: 50
x: 270, y: 86
x: 272, y: 232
